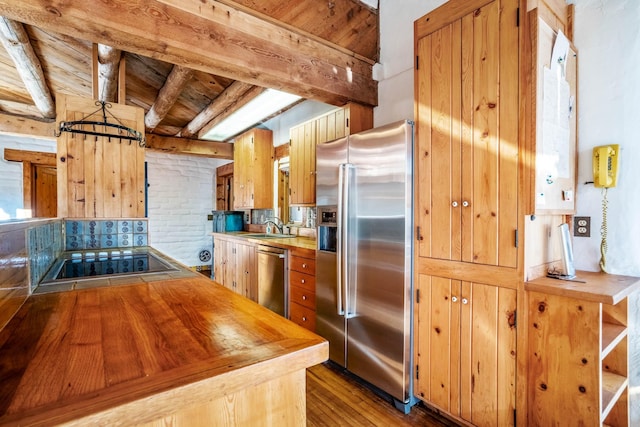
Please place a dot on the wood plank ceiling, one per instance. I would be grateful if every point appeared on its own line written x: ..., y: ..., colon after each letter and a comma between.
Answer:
x: 187, y: 63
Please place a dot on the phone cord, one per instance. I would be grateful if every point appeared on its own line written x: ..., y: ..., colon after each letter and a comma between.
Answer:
x: 603, y: 232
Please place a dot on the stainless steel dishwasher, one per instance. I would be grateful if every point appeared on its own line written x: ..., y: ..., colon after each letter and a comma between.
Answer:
x: 273, y: 286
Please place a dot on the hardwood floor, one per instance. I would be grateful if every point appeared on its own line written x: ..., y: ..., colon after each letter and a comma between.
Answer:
x: 337, y: 399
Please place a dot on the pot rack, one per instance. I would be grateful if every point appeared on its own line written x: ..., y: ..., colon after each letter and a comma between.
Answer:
x: 80, y: 126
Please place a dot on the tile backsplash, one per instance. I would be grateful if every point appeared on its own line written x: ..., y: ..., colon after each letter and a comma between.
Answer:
x: 105, y: 233
x: 44, y: 246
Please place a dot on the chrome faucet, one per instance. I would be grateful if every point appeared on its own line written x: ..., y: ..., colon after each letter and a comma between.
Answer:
x: 277, y: 222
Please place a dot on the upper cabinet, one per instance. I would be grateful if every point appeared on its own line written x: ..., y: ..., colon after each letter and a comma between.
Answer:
x: 350, y: 119
x: 253, y: 170
x: 466, y: 158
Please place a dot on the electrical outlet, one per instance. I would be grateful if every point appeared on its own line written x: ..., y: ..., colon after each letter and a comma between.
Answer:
x: 582, y: 226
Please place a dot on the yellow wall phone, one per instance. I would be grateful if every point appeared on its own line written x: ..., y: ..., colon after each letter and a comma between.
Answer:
x: 605, y: 165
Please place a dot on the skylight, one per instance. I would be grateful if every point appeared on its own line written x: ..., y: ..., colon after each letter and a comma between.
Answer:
x: 262, y: 106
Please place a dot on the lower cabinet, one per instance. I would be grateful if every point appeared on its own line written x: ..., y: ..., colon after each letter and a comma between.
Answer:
x: 465, y: 344
x: 234, y: 266
x: 302, y: 288
x: 578, y: 359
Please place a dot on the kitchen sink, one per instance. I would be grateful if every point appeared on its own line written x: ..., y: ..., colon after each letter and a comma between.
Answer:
x: 269, y: 236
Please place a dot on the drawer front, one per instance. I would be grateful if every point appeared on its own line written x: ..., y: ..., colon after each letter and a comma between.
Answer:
x: 303, y: 316
x: 303, y: 280
x: 303, y: 265
x: 303, y: 297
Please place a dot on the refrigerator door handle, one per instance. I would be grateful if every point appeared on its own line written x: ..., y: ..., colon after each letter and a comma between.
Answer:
x: 340, y: 253
x: 345, y: 203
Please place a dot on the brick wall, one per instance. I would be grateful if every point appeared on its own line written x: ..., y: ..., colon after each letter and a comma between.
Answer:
x: 180, y: 196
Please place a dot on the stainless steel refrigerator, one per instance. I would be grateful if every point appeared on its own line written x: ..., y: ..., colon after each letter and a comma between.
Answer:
x: 364, y: 259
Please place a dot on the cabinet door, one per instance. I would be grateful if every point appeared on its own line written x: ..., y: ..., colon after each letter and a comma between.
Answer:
x: 221, y: 258
x: 246, y: 270
x: 302, y: 178
x: 465, y: 349
x: 242, y: 164
x: 467, y: 137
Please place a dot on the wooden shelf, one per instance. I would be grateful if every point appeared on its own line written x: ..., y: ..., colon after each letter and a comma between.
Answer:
x: 612, y: 334
x: 612, y: 387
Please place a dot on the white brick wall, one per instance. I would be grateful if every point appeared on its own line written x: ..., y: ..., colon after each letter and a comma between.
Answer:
x: 11, y: 198
x: 181, y: 194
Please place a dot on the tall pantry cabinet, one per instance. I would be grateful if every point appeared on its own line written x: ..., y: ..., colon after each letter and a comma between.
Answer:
x: 466, y: 201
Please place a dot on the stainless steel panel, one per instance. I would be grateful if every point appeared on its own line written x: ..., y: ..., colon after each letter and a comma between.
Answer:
x: 272, y: 281
x: 328, y: 157
x: 329, y: 323
x: 379, y: 317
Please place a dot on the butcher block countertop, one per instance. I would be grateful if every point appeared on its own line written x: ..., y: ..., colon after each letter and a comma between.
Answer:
x: 137, y: 354
x: 588, y: 286
x: 282, y: 242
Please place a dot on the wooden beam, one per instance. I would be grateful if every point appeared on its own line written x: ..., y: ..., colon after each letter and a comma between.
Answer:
x: 34, y: 157
x: 122, y: 81
x: 230, y: 109
x: 21, y: 126
x: 193, y: 147
x: 226, y: 100
x: 167, y: 96
x: 108, y: 72
x: 15, y: 40
x: 210, y: 37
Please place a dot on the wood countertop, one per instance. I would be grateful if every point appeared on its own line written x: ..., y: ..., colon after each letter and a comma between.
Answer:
x: 134, y: 353
x: 285, y: 242
x: 589, y: 286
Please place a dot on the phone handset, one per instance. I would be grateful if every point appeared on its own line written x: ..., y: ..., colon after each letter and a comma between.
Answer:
x: 605, y: 165
x: 605, y: 175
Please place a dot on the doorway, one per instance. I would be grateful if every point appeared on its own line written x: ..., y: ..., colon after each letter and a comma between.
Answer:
x: 39, y: 181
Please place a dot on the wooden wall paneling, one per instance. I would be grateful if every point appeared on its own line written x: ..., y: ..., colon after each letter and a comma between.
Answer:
x: 467, y: 111
x: 486, y: 134
x: 508, y: 135
x: 309, y: 159
x: 99, y: 176
x: 423, y: 141
x: 92, y: 174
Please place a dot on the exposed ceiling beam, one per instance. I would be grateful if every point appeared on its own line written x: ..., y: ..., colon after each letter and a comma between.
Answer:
x: 21, y: 126
x: 232, y: 108
x: 16, y: 41
x: 108, y: 68
x: 167, y: 96
x: 193, y: 147
x: 229, y: 98
x: 210, y: 37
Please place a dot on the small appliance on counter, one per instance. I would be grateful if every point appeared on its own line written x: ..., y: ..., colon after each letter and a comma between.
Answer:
x: 224, y: 221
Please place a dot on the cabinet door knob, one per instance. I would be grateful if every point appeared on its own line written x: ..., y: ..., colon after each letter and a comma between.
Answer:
x: 465, y: 203
x: 454, y: 204
x: 454, y: 299
x: 465, y: 301
x: 304, y: 265
x: 302, y: 281
x: 304, y: 297
x: 304, y: 319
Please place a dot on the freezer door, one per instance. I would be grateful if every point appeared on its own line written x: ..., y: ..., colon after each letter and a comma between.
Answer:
x: 330, y: 323
x: 379, y: 297
x: 328, y: 157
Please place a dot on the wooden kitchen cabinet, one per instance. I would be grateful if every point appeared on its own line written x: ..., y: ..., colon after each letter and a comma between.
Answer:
x: 234, y: 264
x: 347, y: 120
x: 253, y: 170
x: 466, y: 157
x: 578, y: 354
x: 465, y: 349
x: 302, y: 287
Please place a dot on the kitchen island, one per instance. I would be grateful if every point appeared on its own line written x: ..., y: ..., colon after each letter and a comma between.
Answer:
x: 181, y: 351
